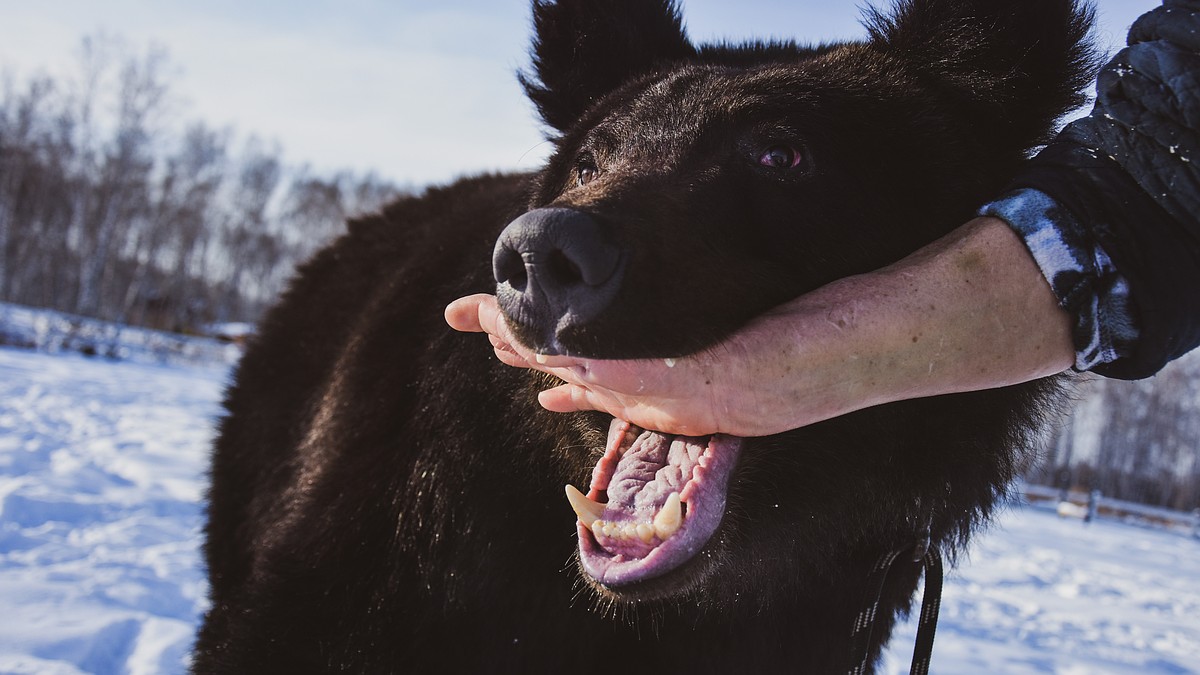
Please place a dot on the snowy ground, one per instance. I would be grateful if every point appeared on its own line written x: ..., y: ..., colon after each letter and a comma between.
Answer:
x: 102, y: 472
x: 1041, y: 594
x: 101, y: 478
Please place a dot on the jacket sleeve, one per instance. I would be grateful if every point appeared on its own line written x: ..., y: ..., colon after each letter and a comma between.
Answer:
x: 1111, y: 208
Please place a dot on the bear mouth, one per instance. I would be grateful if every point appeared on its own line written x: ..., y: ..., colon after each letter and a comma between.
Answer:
x: 654, y: 501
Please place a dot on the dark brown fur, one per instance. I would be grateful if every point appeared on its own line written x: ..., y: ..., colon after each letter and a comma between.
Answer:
x: 386, y: 497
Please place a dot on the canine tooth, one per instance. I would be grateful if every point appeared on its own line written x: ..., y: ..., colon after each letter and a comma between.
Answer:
x: 646, y: 532
x: 669, y: 517
x: 587, y: 510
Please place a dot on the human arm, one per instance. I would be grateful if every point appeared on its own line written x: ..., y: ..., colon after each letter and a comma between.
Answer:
x: 968, y: 312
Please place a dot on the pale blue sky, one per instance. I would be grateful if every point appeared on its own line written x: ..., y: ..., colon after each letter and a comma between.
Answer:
x: 420, y: 91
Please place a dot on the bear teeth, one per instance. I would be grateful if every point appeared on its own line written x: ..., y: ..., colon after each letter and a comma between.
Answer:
x: 669, y: 517
x: 666, y: 522
x: 587, y: 509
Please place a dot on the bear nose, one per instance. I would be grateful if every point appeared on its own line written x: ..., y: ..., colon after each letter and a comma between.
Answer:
x: 555, y: 268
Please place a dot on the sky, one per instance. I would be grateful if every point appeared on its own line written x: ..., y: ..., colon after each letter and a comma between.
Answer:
x: 420, y: 92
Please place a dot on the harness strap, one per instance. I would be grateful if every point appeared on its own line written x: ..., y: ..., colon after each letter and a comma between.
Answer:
x: 931, y: 602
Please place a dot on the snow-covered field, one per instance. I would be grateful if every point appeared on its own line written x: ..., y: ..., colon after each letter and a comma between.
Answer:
x: 1041, y: 594
x: 102, y: 471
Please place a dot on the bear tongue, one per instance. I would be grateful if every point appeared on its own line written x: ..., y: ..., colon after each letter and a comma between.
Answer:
x: 644, y: 492
x: 655, y: 466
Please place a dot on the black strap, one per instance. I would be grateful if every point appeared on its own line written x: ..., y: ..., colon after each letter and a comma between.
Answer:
x: 864, y: 623
x: 931, y: 604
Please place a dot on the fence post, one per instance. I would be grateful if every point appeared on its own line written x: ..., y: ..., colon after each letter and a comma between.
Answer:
x: 1093, y: 505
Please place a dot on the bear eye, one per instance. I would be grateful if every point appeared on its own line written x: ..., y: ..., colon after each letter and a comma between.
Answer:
x: 780, y: 157
x: 586, y: 172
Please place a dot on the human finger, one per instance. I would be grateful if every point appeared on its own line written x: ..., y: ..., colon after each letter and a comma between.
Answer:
x: 568, y: 398
x: 464, y: 313
x: 628, y: 377
x: 507, y: 354
x: 480, y: 313
x: 476, y: 314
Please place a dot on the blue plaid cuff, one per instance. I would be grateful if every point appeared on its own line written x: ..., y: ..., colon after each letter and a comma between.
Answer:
x: 1080, y: 273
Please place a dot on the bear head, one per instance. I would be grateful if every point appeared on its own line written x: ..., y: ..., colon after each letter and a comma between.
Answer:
x: 692, y: 188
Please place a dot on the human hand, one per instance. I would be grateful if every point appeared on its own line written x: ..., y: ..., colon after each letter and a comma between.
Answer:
x: 675, y: 396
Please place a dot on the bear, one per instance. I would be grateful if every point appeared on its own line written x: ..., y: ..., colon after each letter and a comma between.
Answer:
x: 386, y: 497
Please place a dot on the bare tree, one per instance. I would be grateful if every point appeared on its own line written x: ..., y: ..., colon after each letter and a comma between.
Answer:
x: 119, y: 199
x: 1148, y: 446
x: 107, y: 210
x: 246, y: 253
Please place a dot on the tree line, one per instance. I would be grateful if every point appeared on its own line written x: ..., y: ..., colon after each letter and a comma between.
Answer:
x: 1138, y: 441
x: 110, y: 208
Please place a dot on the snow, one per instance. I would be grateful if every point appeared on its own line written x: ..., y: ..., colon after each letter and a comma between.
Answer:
x: 1043, y: 594
x: 102, y: 469
x: 53, y: 332
x: 102, y: 476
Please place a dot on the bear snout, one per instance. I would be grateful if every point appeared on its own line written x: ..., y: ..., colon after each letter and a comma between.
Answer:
x: 555, y: 268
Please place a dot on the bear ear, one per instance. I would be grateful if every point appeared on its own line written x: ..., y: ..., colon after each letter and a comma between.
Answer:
x: 584, y: 49
x: 1021, y: 64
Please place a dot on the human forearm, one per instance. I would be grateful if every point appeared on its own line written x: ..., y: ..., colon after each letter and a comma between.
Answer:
x: 970, y: 311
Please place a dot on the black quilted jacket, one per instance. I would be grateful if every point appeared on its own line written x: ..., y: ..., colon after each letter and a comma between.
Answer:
x: 1130, y: 172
